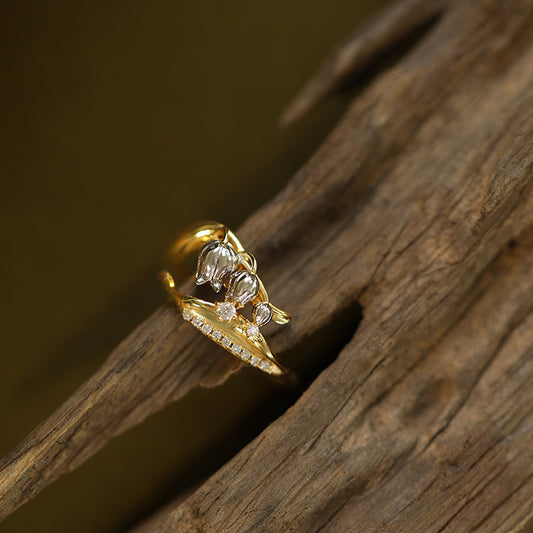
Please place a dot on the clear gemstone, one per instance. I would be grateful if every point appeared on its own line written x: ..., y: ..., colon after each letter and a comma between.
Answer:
x: 236, y: 349
x: 197, y: 321
x: 206, y: 328
x: 252, y: 330
x: 216, y: 334
x: 245, y: 354
x: 226, y: 341
x: 243, y: 287
x: 255, y: 360
x: 262, y: 313
x: 226, y: 311
x: 187, y: 315
x: 264, y: 365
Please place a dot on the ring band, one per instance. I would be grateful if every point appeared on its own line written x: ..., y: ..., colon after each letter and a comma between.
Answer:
x: 224, y: 263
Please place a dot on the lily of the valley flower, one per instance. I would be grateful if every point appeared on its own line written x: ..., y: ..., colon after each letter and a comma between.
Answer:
x: 216, y: 261
x: 243, y: 287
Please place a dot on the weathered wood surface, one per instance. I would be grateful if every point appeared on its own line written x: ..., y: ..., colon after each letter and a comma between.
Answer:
x: 362, y: 50
x: 419, y: 206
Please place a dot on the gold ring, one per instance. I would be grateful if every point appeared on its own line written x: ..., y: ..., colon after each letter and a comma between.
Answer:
x: 224, y: 263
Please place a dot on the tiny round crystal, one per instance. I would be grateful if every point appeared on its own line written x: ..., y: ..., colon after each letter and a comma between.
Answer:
x: 252, y: 330
x: 206, y: 328
x: 226, y: 341
x: 187, y: 315
x: 226, y: 311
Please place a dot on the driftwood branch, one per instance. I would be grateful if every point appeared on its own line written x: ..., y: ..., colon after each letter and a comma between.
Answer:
x: 379, y: 37
x: 419, y: 206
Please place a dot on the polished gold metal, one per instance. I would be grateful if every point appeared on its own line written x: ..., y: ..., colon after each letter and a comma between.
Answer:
x: 238, y: 335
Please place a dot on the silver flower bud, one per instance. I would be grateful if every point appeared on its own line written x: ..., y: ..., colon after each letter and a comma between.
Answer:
x: 243, y: 287
x: 262, y: 313
x: 216, y: 261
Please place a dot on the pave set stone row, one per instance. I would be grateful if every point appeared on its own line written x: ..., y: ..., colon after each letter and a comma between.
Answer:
x: 219, y: 337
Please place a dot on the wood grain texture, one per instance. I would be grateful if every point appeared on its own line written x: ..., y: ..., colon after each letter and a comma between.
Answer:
x: 419, y: 206
x: 377, y: 38
x: 423, y: 423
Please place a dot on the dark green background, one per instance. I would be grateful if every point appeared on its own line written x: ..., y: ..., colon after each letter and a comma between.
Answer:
x: 122, y: 122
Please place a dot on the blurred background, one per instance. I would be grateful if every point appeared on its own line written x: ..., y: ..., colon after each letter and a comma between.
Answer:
x: 121, y: 123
